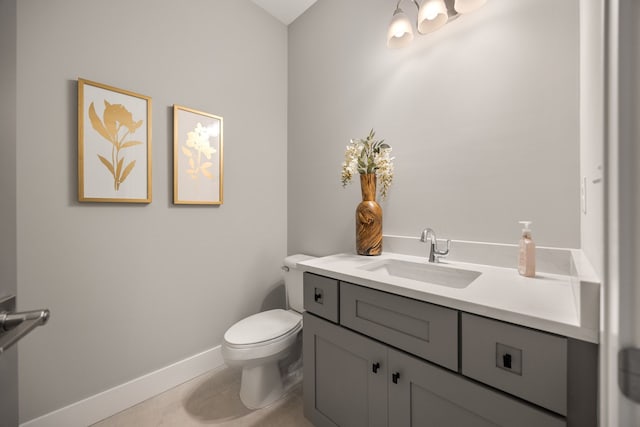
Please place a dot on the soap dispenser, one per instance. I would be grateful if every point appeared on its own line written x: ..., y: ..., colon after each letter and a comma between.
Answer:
x: 527, y: 254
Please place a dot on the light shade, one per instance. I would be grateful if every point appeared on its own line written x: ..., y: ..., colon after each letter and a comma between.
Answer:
x: 400, y: 32
x: 431, y: 16
x: 466, y: 6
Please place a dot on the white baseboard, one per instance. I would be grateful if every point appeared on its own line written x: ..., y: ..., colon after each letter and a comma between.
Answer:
x: 102, y: 405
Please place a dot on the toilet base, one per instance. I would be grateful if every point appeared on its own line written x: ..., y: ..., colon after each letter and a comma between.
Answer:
x: 261, y: 385
x: 268, y: 372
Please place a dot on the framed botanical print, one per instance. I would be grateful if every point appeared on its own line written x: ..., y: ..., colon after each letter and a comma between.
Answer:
x: 114, y: 144
x: 197, y: 157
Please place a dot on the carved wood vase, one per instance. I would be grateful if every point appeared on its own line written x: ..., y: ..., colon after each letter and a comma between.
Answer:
x: 368, y: 218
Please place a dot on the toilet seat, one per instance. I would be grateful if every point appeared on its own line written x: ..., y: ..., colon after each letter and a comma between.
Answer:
x: 263, y: 327
x: 261, y: 335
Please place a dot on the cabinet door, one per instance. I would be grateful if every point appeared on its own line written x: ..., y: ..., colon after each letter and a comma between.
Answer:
x: 345, y: 376
x: 424, y: 395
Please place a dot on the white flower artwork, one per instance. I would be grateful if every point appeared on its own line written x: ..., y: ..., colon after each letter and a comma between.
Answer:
x: 198, y: 165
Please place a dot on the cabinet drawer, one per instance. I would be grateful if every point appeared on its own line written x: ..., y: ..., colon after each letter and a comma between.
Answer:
x: 526, y: 363
x: 321, y: 296
x: 426, y: 330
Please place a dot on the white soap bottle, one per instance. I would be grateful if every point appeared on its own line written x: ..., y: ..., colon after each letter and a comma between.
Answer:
x: 527, y: 254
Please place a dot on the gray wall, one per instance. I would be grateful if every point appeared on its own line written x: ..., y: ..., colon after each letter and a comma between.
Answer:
x: 135, y: 288
x: 482, y: 116
x: 8, y: 360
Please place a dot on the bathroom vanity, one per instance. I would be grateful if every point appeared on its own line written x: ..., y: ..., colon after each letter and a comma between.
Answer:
x: 395, y: 341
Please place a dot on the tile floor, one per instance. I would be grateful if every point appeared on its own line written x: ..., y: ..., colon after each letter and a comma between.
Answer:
x: 210, y: 400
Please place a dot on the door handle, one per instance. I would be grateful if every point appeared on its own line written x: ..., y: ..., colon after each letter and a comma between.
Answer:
x: 14, y: 326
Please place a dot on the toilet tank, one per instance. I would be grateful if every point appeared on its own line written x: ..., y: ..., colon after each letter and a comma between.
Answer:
x: 293, y: 281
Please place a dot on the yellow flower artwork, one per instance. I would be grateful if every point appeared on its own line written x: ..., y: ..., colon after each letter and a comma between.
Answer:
x: 198, y: 144
x: 116, y: 126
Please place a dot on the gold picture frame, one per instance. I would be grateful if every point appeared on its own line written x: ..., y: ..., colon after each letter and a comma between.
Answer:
x: 114, y: 144
x: 198, y: 167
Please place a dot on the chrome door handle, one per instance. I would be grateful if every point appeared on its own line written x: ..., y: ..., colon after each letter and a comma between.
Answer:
x: 9, y: 321
x: 14, y: 326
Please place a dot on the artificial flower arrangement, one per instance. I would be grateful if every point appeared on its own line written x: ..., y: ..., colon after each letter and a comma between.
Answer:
x: 369, y: 156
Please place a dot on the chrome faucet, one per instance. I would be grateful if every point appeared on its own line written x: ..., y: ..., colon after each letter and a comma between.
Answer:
x: 429, y: 236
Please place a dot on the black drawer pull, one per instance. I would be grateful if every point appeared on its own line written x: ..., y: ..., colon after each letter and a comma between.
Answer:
x: 506, y: 360
x: 395, y: 377
x: 317, y: 296
x: 375, y: 367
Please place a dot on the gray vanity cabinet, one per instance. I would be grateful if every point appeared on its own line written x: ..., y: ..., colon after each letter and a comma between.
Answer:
x: 374, y: 359
x: 345, y: 377
x: 423, y: 395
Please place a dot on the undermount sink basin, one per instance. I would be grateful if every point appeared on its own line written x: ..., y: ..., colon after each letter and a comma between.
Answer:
x: 423, y: 272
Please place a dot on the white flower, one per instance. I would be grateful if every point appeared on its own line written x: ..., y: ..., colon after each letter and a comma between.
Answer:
x: 198, y: 139
x: 369, y: 156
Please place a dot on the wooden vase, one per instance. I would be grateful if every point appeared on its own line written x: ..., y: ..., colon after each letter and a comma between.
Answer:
x: 368, y: 218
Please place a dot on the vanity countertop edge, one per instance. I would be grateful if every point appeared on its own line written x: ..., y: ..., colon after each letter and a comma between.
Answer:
x: 547, y: 302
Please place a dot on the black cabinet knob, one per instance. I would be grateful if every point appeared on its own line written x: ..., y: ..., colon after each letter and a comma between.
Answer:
x: 317, y: 296
x: 506, y: 360
x: 395, y: 377
x: 375, y: 367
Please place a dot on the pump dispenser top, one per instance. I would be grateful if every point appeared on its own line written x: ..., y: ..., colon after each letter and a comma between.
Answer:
x: 527, y: 252
x: 526, y: 227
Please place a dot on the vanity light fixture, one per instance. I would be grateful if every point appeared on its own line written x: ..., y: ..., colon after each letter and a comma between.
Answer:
x: 432, y: 15
x: 400, y: 32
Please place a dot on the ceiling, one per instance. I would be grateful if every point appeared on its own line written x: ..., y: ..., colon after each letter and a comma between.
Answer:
x: 285, y: 10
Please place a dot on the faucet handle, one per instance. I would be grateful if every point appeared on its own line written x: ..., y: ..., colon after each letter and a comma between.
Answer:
x: 445, y: 252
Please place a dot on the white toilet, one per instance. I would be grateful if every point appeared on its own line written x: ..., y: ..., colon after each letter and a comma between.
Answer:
x: 261, y: 342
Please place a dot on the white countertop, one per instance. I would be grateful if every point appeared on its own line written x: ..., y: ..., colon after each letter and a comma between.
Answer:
x: 546, y: 302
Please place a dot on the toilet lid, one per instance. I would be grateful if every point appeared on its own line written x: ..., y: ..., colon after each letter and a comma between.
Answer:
x: 262, y: 327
